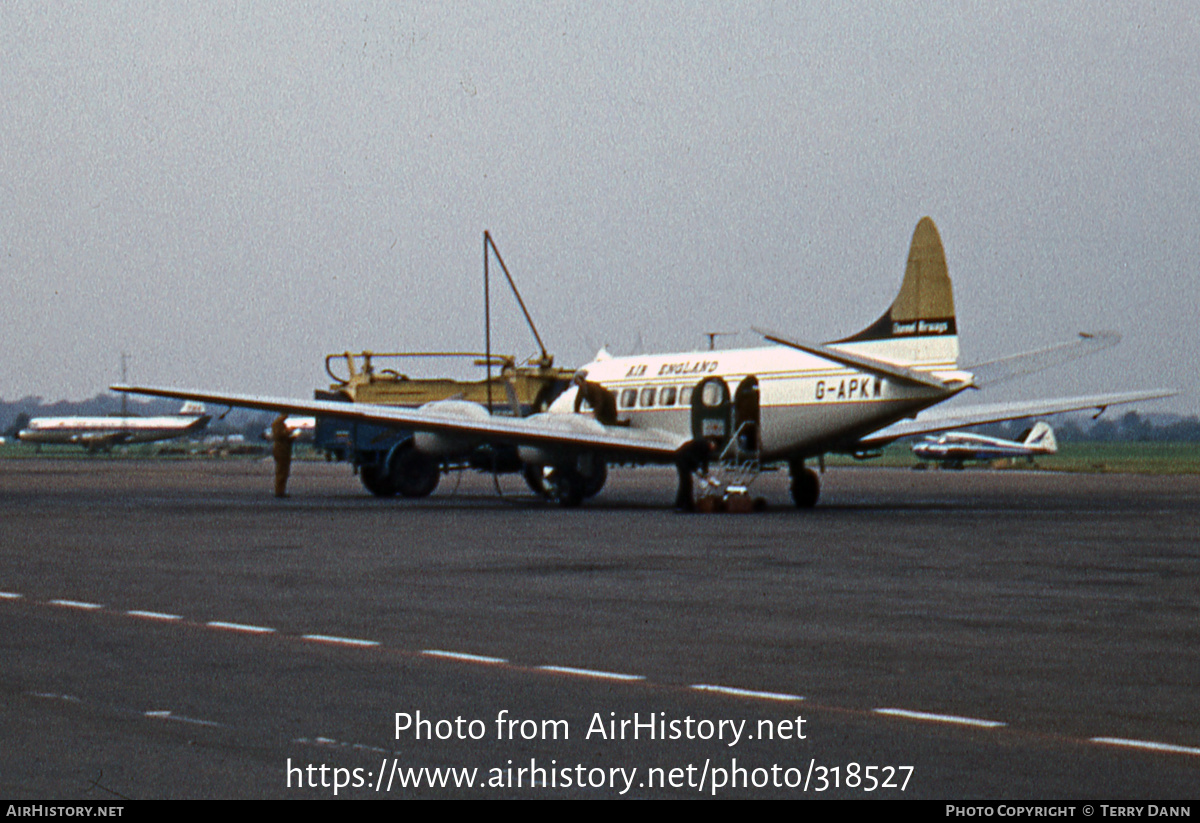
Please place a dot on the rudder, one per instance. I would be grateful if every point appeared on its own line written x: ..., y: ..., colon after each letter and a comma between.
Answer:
x: 919, y: 327
x: 1041, y: 437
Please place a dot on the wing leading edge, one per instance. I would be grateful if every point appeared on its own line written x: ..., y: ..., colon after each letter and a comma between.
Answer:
x: 545, y: 430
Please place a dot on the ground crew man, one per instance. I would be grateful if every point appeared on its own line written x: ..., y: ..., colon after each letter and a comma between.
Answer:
x: 281, y: 449
x: 602, y: 401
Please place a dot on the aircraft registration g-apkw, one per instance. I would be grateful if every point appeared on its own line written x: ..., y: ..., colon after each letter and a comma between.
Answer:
x: 95, y: 433
x: 734, y: 409
x: 955, y: 448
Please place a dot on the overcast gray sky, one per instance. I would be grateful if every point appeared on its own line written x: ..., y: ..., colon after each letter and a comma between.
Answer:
x: 230, y: 191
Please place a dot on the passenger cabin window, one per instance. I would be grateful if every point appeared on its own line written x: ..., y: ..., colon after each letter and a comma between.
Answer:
x: 667, y: 396
x: 648, y: 397
x: 628, y: 398
x: 685, y: 396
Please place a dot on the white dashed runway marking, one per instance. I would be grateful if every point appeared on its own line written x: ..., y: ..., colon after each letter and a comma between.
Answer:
x: 178, y: 718
x: 76, y: 604
x: 153, y: 615
x: 1149, y: 745
x: 239, y: 627
x: 463, y: 656
x: 339, y: 641
x: 592, y: 673
x: 734, y: 692
x: 330, y: 742
x: 69, y: 698
x: 941, y: 718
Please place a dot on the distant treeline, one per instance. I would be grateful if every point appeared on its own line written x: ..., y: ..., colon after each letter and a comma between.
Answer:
x: 14, y: 414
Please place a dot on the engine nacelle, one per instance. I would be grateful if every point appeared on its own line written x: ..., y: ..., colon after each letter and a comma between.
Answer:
x: 537, y: 456
x: 445, y: 445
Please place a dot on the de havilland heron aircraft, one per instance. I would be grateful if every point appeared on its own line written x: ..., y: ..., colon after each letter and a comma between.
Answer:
x: 953, y: 449
x: 728, y: 412
x: 95, y: 433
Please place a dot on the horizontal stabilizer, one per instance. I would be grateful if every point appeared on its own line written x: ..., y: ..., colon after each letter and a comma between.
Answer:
x: 1019, y: 365
x: 999, y: 412
x: 870, y: 364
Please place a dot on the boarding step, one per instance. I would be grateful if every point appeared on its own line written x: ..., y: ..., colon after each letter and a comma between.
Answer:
x: 725, y: 486
x: 740, y: 462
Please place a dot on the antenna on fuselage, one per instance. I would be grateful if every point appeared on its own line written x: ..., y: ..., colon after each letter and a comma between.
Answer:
x: 713, y: 335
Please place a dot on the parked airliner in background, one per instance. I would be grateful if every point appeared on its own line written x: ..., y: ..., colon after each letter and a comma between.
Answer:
x: 721, y: 416
x: 96, y: 433
x: 955, y: 448
x: 299, y: 428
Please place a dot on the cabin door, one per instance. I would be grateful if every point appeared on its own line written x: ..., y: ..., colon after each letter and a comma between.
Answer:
x: 712, y: 412
x: 746, y: 415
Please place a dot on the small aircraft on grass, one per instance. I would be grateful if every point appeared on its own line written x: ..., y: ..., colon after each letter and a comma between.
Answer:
x: 955, y: 448
x: 722, y: 416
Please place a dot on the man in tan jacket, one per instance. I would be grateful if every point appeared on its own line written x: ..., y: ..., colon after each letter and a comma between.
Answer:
x: 281, y: 449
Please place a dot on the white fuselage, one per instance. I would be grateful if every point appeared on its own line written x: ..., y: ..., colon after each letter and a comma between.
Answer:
x: 803, y: 402
x: 966, y: 446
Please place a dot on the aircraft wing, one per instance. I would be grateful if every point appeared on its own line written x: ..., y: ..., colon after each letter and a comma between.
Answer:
x: 949, y: 419
x: 546, y: 430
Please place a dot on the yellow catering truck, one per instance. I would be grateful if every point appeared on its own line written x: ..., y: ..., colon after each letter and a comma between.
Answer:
x: 384, y: 457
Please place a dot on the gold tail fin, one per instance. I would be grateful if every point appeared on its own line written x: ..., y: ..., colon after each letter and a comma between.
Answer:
x: 925, y: 293
x: 922, y: 311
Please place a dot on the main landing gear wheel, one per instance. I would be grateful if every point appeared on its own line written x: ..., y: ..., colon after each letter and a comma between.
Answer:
x: 594, y: 481
x: 376, y: 481
x: 806, y: 486
x: 411, y: 473
x: 566, y: 486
